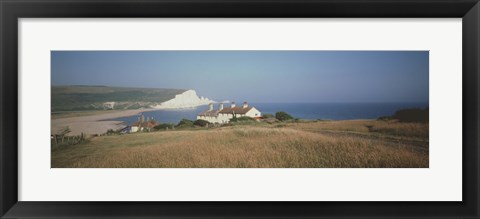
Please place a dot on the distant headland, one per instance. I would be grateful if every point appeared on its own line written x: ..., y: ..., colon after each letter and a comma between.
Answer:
x: 89, y: 98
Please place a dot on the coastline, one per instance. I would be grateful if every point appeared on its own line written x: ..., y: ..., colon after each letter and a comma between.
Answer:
x: 101, y: 123
x: 93, y: 124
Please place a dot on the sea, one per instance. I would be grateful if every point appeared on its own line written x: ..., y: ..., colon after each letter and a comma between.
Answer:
x: 307, y: 111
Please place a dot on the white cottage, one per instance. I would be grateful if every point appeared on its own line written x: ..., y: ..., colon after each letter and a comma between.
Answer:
x: 223, y: 115
x: 108, y: 105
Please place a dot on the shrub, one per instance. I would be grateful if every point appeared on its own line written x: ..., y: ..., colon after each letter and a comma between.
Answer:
x: 270, y: 120
x: 242, y: 119
x: 283, y: 116
x: 412, y: 115
x: 185, y: 123
x: 164, y: 126
x: 266, y: 116
x: 201, y: 123
x: 245, y: 120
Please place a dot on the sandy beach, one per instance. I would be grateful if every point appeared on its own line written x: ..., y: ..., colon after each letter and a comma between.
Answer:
x: 96, y: 124
x: 93, y: 124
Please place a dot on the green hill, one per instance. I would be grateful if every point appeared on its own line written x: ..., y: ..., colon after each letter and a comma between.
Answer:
x: 75, y: 98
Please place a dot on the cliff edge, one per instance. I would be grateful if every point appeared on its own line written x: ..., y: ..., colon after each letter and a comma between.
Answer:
x: 187, y: 99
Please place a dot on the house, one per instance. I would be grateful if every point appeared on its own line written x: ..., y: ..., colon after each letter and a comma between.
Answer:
x: 135, y: 127
x: 210, y: 115
x: 223, y: 115
x: 143, y: 125
x: 108, y: 105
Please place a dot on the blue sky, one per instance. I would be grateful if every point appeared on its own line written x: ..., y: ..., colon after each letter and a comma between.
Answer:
x: 256, y: 76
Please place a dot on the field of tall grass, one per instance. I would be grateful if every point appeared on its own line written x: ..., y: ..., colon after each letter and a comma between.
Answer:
x: 314, y: 144
x: 389, y: 128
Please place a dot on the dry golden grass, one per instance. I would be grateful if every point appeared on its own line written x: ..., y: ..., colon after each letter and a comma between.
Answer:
x: 296, y: 145
x: 390, y: 128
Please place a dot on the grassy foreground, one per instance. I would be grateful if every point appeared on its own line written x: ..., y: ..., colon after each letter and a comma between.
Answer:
x: 314, y: 144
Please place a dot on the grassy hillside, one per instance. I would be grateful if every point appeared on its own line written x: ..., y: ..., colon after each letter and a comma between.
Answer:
x: 74, y: 98
x: 313, y: 144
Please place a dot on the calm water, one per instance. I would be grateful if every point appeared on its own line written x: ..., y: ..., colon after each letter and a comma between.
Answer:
x: 333, y: 111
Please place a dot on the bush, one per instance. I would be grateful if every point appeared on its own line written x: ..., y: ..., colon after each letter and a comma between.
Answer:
x: 201, y: 123
x: 185, y: 123
x: 412, y: 115
x: 270, y: 120
x: 111, y: 132
x: 267, y: 116
x: 164, y: 126
x: 283, y: 116
x: 242, y: 119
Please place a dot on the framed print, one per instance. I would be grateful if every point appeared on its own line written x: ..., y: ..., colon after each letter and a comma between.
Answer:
x: 239, y: 109
x: 267, y: 130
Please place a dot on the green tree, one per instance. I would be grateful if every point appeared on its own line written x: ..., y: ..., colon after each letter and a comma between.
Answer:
x: 185, y: 123
x: 242, y: 119
x: 283, y: 116
x: 164, y: 126
x: 201, y: 122
x: 111, y: 132
x: 267, y: 115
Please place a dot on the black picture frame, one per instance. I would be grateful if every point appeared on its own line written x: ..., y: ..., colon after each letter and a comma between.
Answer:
x: 12, y: 10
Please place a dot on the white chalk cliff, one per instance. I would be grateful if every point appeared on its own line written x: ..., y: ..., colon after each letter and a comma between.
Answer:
x: 187, y: 99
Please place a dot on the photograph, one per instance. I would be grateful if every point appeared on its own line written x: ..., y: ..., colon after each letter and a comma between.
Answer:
x: 239, y: 109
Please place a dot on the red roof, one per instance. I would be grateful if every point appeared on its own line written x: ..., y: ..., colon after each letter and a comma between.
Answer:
x: 209, y: 113
x: 148, y: 124
x: 236, y: 110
